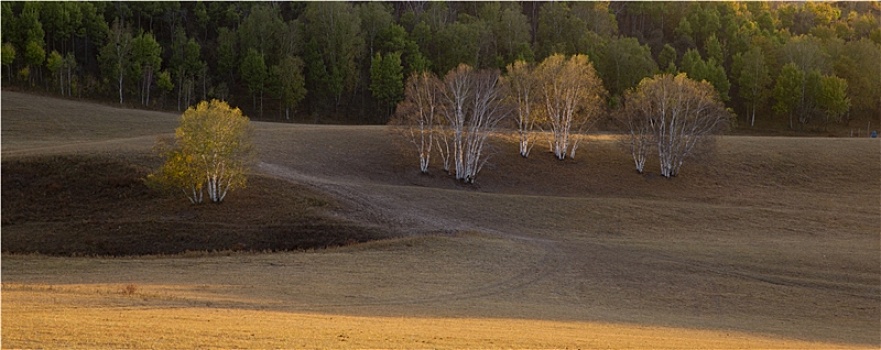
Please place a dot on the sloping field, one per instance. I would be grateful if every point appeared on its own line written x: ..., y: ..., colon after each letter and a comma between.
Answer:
x: 774, y: 243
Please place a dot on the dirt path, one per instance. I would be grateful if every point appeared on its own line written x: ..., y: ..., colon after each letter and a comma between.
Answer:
x: 379, y: 205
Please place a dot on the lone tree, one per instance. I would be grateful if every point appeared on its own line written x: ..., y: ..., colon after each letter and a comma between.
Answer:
x: 211, y: 153
x: 674, y: 113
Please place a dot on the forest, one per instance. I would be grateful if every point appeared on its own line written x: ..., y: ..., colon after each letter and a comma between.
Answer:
x: 802, y: 66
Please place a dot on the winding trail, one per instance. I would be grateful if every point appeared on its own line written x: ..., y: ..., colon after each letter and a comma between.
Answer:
x: 362, y: 203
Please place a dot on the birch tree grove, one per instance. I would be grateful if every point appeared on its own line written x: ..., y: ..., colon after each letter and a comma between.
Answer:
x: 572, y: 95
x: 457, y: 115
x: 676, y: 114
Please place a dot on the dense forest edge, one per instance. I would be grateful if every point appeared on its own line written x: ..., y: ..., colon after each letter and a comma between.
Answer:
x: 781, y: 67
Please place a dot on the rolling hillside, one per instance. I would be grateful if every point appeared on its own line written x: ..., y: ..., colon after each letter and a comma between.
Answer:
x: 772, y: 243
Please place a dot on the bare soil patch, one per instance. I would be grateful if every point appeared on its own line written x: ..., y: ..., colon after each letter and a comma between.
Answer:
x: 89, y: 205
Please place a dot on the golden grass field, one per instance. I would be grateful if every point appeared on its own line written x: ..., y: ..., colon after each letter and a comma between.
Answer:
x: 772, y: 243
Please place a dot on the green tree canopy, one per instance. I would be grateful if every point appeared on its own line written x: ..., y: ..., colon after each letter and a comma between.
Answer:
x: 832, y: 101
x: 147, y: 59
x: 335, y: 42
x: 387, y: 79
x: 709, y: 70
x: 8, y: 56
x: 789, y: 91
x: 624, y: 63
x: 667, y: 59
x: 753, y: 79
x: 254, y: 73
x: 288, y: 82
x: 261, y: 30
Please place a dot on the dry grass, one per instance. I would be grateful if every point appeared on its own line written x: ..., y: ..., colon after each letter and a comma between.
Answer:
x: 772, y: 244
x: 39, y: 125
x: 73, y: 322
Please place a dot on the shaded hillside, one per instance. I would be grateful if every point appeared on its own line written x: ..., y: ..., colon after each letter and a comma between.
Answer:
x: 87, y: 205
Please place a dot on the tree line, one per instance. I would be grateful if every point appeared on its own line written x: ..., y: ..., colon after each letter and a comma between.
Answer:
x: 782, y: 65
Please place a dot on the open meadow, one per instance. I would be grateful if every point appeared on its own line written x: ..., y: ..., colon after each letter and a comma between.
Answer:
x: 340, y: 242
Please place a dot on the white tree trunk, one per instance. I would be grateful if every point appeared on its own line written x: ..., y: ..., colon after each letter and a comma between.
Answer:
x: 752, y: 121
x: 69, y: 81
x: 120, y: 87
x: 473, y: 108
x: 444, y: 149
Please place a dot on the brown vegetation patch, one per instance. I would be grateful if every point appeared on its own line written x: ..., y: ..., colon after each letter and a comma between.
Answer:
x: 78, y: 205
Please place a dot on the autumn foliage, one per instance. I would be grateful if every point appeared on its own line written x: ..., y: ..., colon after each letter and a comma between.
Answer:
x: 211, y: 153
x: 675, y: 115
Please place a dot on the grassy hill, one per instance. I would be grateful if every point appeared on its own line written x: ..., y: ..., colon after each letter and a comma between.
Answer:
x: 771, y: 243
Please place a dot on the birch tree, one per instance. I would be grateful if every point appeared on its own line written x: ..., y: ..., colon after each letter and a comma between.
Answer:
x: 147, y: 59
x: 572, y: 96
x: 288, y: 83
x: 788, y: 91
x: 116, y: 55
x: 523, y: 91
x: 418, y: 116
x: 473, y: 105
x: 754, y: 78
x: 55, y: 63
x: 69, y: 65
x: 677, y: 115
x: 832, y: 101
x: 185, y: 63
x: 211, y: 153
x: 456, y: 99
x: 8, y: 56
x: 255, y: 73
x: 634, y: 116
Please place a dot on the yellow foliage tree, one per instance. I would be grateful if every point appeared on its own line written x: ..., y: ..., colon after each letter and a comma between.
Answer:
x: 573, y: 96
x: 212, y: 152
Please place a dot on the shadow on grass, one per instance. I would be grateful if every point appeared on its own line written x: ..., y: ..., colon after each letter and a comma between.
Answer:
x: 88, y: 205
